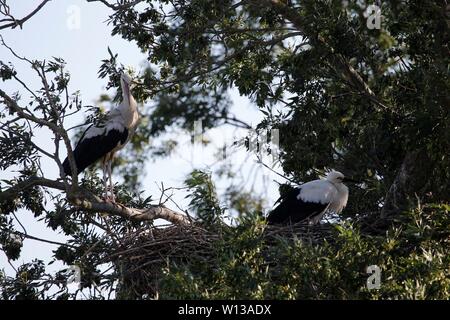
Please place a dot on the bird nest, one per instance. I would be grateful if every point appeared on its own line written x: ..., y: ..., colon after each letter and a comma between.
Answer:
x: 143, y: 256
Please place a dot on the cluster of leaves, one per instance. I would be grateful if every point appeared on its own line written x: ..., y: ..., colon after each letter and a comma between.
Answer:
x: 204, y: 201
x: 32, y: 282
x: 326, y: 121
x: 87, y: 245
x: 345, y: 131
x: 16, y: 147
x: 24, y: 287
x: 31, y: 198
x: 87, y: 248
x: 413, y: 257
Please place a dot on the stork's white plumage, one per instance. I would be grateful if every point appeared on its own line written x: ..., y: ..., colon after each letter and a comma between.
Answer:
x: 311, y: 201
x: 103, y: 140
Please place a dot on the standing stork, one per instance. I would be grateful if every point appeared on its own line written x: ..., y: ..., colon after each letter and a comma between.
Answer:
x: 103, y: 140
x: 311, y: 200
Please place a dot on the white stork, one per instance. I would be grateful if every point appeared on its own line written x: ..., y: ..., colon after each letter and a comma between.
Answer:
x: 311, y: 200
x: 103, y: 140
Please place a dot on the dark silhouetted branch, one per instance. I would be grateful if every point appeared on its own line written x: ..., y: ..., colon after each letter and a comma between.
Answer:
x: 87, y: 201
x: 13, y: 22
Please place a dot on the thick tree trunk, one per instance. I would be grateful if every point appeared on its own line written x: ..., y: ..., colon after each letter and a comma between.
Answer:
x: 409, y: 184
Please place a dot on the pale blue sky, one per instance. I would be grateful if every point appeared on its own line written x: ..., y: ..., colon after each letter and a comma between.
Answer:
x: 47, y: 35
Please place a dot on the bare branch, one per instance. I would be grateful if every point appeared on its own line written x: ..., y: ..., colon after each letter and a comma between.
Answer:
x: 87, y: 201
x: 27, y: 236
x: 117, y: 6
x: 19, y: 22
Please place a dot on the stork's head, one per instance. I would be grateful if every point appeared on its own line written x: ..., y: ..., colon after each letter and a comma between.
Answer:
x: 338, y: 177
x: 125, y: 82
x: 126, y: 78
x: 335, y: 177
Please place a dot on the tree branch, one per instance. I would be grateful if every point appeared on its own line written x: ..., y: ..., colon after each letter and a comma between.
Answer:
x: 409, y: 182
x: 28, y: 236
x: 87, y: 201
x: 20, y: 22
x: 117, y: 6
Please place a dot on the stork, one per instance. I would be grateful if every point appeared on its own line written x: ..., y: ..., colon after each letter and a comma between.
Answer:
x: 311, y: 200
x: 103, y: 140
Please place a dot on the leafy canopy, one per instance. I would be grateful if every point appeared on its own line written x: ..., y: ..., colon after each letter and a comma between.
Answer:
x: 372, y: 103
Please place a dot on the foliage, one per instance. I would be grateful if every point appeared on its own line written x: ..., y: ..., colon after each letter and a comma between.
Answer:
x: 413, y: 256
x: 326, y: 121
x: 372, y: 103
x: 203, y: 197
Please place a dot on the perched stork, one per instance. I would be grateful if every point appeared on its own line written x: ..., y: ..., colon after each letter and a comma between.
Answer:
x: 311, y: 200
x: 103, y: 140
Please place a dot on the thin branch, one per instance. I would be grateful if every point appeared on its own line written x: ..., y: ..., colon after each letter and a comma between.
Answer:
x: 118, y: 6
x: 20, y: 223
x: 27, y: 236
x: 7, y: 123
x: 13, y: 52
x: 274, y: 171
x: 20, y: 22
x: 52, y: 126
x: 169, y: 198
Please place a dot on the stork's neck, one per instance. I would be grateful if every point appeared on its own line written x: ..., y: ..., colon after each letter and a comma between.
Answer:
x: 342, y: 197
x: 129, y: 102
x: 128, y: 107
x: 126, y: 93
x: 341, y: 187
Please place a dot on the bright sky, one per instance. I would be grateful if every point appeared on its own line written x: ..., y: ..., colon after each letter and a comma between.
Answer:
x: 53, y: 32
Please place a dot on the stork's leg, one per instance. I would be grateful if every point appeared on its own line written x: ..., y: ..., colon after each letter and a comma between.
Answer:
x: 111, y: 186
x: 105, y: 180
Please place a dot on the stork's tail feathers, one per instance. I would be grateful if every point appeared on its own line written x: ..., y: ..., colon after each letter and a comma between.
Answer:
x: 68, y: 170
x: 66, y: 167
x: 272, y: 219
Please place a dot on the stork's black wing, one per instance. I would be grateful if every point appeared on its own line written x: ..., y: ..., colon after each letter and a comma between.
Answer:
x: 91, y: 149
x: 293, y: 210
